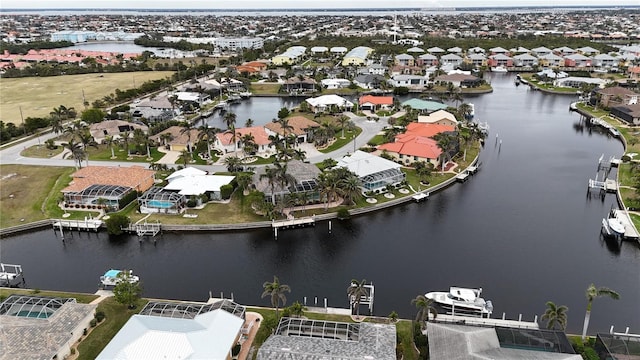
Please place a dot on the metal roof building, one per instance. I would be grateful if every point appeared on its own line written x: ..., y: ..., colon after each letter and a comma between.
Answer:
x: 177, y: 330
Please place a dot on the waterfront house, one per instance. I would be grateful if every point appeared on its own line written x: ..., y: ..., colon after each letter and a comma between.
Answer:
x: 159, y: 200
x: 500, y: 60
x: 369, y: 81
x: 627, y: 113
x: 551, y: 60
x: 577, y: 61
x: 577, y: 82
x: 94, y: 187
x: 424, y: 106
x: 225, y: 141
x: 335, y: 83
x: 196, y: 185
x: 451, y: 60
x: 41, y: 327
x: 303, y: 179
x: 296, y: 338
x: 409, y: 81
x: 114, y: 128
x: 179, y: 330
x: 375, y: 103
x: 417, y: 144
x: 329, y: 103
x: 459, y: 80
x: 477, y: 60
x: 297, y: 84
x: 525, y: 60
x: 374, y: 172
x: 615, y: 95
x: 301, y: 127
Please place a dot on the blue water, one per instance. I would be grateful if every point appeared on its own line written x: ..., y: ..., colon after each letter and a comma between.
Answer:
x: 160, y: 204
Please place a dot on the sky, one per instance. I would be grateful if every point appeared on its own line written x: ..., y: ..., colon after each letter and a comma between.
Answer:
x: 292, y: 4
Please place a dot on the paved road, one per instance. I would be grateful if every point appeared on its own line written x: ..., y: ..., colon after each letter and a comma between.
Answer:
x: 11, y: 154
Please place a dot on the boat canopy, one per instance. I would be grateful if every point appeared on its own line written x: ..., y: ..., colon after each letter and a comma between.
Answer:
x: 112, y: 273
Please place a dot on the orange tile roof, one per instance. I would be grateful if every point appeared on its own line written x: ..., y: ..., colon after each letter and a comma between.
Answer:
x: 178, y: 138
x: 136, y: 177
x: 376, y: 100
x: 417, y: 140
x: 299, y: 124
x: 260, y: 136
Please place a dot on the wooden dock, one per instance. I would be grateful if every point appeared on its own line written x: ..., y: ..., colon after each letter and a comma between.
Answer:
x: 462, y: 177
x: 86, y: 224
x: 290, y: 223
x: 470, y: 320
x: 610, y: 185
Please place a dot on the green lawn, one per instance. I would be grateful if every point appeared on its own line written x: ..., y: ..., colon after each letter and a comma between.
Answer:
x: 116, y: 315
x: 41, y: 151
x: 264, y: 89
x: 340, y: 141
x: 81, y: 298
x: 103, y: 153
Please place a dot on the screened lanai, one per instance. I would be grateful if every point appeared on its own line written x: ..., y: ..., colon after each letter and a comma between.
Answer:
x: 187, y: 310
x: 158, y: 200
x: 35, y: 307
x: 381, y: 179
x: 97, y: 195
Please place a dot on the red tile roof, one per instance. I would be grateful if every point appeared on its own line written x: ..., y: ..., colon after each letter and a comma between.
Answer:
x: 136, y: 177
x: 376, y: 100
x: 417, y: 141
x: 260, y: 136
x: 299, y: 123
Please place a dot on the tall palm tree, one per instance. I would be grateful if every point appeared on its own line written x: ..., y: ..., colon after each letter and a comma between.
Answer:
x: 110, y: 141
x: 207, y: 133
x: 276, y: 291
x: 233, y: 163
x: 446, y: 144
x: 76, y: 152
x: 271, y: 174
x: 249, y: 145
x: 248, y: 123
x: 349, y: 188
x: 592, y: 293
x: 186, y: 129
x: 86, y: 139
x: 229, y: 119
x: 126, y: 137
x: 555, y: 315
x: 342, y: 120
x: 328, y: 187
x: 424, y: 306
x: 356, y: 291
x: 284, y: 124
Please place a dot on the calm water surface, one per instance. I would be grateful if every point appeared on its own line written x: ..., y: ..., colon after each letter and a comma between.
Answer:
x: 522, y: 228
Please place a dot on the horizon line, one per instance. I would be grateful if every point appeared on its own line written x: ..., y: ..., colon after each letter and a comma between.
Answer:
x: 332, y: 8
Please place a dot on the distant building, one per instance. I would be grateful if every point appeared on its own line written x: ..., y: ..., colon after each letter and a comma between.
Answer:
x: 290, y: 56
x: 234, y: 44
x: 357, y: 56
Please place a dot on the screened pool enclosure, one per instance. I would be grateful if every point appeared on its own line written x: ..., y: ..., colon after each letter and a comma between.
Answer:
x: 158, y: 200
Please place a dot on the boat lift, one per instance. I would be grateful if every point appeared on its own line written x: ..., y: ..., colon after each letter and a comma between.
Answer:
x: 364, y: 299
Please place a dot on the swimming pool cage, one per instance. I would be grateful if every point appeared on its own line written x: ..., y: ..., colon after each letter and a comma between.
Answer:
x: 97, y: 196
x: 158, y: 200
x: 37, y: 307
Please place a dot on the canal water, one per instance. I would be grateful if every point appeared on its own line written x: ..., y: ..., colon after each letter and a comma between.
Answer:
x: 522, y: 228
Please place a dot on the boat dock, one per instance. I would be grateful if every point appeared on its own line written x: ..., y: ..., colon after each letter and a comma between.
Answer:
x: 86, y: 224
x: 291, y: 223
x: 630, y: 231
x: 420, y: 196
x: 602, y: 123
x: 478, y: 321
x: 462, y: 177
x: 11, y: 275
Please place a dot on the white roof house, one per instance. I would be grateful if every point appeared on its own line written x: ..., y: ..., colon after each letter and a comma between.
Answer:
x: 191, y: 185
x: 319, y: 49
x: 323, y: 102
x: 165, y: 332
x: 188, y: 171
x: 439, y: 117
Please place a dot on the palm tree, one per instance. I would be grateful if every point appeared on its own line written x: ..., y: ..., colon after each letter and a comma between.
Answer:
x: 249, y: 145
x: 342, y: 120
x: 592, y: 293
x: 186, y: 156
x: 276, y: 291
x: 248, y: 123
x: 446, y: 144
x: 284, y: 124
x: 555, y: 315
x: 328, y: 187
x: 424, y: 306
x: 464, y: 110
x: 349, y: 188
x: 126, y: 135
x: 356, y: 291
x: 76, y: 152
x: 229, y: 119
x: 186, y: 129
x: 271, y: 174
x: 110, y: 141
x: 243, y: 180
x: 207, y: 133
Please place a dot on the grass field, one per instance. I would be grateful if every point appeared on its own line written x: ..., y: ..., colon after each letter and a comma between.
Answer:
x: 37, y: 96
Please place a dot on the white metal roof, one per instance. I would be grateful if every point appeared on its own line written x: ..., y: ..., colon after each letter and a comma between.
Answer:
x: 329, y: 100
x: 198, y: 184
x: 363, y: 163
x: 208, y: 336
x: 188, y: 171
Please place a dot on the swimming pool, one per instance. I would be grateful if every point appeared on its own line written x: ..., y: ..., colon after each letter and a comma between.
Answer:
x: 160, y: 204
x: 34, y: 314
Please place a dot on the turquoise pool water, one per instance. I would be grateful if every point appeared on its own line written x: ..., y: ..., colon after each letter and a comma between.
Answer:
x: 34, y: 314
x: 160, y: 204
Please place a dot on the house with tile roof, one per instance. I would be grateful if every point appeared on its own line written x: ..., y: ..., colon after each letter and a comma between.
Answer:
x: 375, y: 103
x: 440, y: 117
x: 225, y: 142
x: 303, y: 178
x: 302, y: 128
x: 178, y: 139
x: 417, y: 144
x: 616, y: 95
x: 114, y: 128
x: 424, y: 106
x: 94, y: 187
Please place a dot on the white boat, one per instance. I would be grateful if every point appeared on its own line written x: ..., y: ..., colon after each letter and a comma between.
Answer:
x: 11, y: 275
x: 113, y: 277
x: 245, y: 94
x: 613, y: 227
x: 462, y: 300
x: 233, y: 98
x: 472, y: 111
x: 499, y: 68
